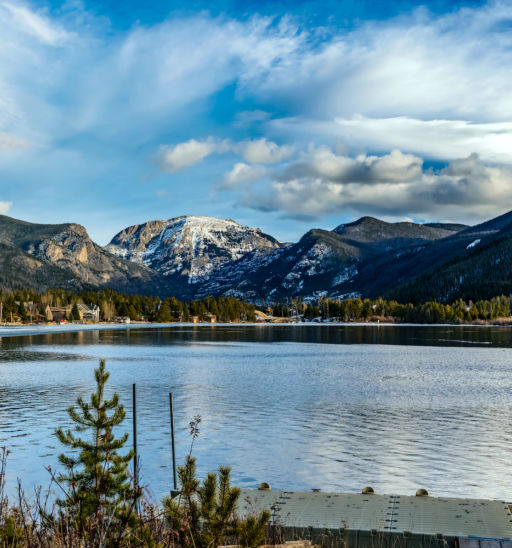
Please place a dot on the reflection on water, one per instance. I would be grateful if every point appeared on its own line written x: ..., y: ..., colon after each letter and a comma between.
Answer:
x: 301, y: 407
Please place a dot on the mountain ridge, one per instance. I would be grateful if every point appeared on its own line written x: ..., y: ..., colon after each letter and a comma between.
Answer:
x: 195, y: 256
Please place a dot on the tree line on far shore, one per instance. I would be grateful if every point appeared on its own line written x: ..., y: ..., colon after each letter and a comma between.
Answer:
x: 113, y: 304
x: 357, y: 309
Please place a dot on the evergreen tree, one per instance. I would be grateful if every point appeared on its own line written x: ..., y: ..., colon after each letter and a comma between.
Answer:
x: 22, y: 312
x: 75, y: 313
x: 164, y: 312
x: 99, y: 496
x: 208, y: 511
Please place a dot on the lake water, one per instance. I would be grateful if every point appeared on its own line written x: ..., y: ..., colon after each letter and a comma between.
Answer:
x: 301, y: 407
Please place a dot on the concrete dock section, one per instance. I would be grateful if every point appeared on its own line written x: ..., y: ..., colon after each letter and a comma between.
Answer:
x: 370, y: 520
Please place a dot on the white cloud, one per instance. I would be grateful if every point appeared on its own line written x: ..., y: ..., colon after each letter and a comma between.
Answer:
x: 391, y: 168
x: 36, y: 25
x: 177, y: 157
x: 261, y: 151
x: 132, y: 84
x: 439, y: 139
x: 392, y: 185
x: 173, y: 158
x: 4, y: 207
x: 454, y: 66
x: 11, y: 142
x: 242, y: 173
x: 395, y: 74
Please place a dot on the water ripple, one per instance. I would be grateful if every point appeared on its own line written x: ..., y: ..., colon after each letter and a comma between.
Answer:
x: 296, y: 413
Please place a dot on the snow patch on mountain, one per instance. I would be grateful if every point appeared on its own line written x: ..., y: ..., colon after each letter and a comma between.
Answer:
x: 346, y: 274
x: 473, y: 244
x: 190, y: 246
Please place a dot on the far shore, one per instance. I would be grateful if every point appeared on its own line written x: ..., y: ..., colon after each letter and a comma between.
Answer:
x: 19, y: 330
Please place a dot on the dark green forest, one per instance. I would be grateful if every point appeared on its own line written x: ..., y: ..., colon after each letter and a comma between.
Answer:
x: 113, y: 305
x: 136, y: 307
x: 380, y: 309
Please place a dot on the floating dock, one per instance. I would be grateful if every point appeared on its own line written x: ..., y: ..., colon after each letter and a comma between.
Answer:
x: 382, y: 521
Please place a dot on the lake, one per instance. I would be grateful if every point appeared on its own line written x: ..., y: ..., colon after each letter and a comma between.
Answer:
x: 331, y: 407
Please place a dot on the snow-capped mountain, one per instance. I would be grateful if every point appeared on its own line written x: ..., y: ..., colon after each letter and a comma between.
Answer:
x: 193, y: 257
x: 201, y: 256
x: 190, y: 248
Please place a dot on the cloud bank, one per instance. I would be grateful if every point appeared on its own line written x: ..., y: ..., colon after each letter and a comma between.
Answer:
x: 392, y: 185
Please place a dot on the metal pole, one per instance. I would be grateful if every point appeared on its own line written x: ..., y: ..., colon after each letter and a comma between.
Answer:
x: 172, y: 441
x: 135, y: 457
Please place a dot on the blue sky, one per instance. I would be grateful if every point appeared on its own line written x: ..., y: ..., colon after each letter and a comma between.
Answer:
x: 281, y: 115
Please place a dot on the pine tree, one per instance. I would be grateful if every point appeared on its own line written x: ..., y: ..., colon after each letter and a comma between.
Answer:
x: 164, y: 312
x: 99, y: 496
x: 22, y: 312
x: 75, y: 313
x: 208, y: 510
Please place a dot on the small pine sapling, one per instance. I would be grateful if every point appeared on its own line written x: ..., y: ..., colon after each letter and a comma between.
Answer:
x: 99, y: 499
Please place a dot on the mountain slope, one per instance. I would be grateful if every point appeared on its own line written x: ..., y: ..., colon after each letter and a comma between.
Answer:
x: 385, y: 274
x: 189, y: 249
x: 221, y: 257
x: 323, y: 262
x: 64, y: 255
x: 393, y: 235
x: 192, y: 257
x: 481, y: 271
x: 314, y: 264
x: 19, y: 270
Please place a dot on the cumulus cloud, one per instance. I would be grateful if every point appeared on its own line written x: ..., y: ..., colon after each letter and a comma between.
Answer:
x: 261, y: 151
x: 394, y: 184
x: 4, y: 207
x: 392, y: 168
x: 241, y: 174
x: 177, y: 157
x: 173, y: 158
x: 439, y: 139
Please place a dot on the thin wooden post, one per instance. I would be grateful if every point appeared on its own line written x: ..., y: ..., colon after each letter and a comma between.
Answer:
x: 135, y: 456
x: 172, y: 441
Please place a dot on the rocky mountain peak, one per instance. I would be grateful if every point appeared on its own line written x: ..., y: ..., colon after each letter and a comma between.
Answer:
x: 189, y: 246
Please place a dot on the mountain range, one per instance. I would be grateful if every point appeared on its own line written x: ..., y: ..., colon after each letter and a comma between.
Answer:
x: 192, y: 257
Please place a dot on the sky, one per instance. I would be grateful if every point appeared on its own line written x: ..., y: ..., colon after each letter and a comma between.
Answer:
x: 280, y: 115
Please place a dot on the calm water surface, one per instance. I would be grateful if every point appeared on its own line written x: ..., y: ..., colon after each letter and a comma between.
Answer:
x: 329, y: 407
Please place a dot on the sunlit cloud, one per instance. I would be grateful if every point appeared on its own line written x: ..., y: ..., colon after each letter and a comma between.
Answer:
x: 242, y: 173
x: 392, y: 185
x: 261, y: 151
x: 177, y: 157
x: 41, y: 27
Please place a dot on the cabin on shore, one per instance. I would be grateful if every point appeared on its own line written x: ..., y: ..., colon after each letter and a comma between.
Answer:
x: 88, y: 313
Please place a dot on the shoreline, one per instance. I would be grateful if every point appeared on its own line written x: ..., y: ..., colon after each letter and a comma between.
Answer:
x: 29, y: 330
